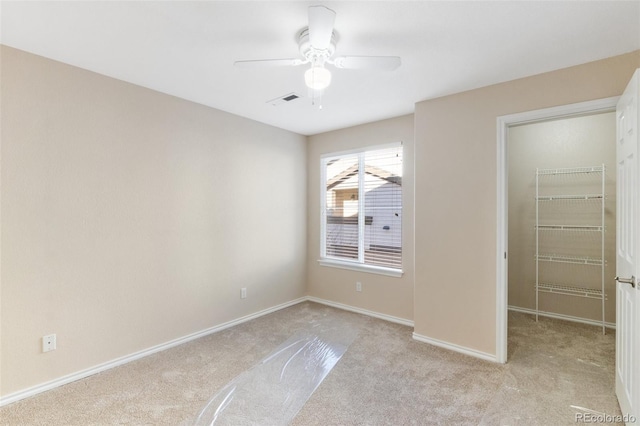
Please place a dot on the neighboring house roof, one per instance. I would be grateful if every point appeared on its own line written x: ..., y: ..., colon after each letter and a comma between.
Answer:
x: 371, y: 170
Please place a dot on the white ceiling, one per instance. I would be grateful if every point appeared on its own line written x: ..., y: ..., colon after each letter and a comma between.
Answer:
x: 187, y: 49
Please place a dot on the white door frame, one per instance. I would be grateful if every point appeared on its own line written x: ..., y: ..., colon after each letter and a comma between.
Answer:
x: 503, y: 123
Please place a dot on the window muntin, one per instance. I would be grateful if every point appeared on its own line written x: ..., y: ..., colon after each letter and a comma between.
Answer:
x: 362, y: 207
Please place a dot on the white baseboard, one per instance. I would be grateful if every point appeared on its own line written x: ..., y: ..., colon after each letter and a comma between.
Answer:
x: 562, y: 317
x: 367, y: 312
x: 34, y: 390
x: 456, y: 348
x: 435, y: 342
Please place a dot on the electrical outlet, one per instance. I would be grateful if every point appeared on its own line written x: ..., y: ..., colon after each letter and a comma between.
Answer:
x: 243, y: 293
x: 358, y: 286
x: 49, y: 343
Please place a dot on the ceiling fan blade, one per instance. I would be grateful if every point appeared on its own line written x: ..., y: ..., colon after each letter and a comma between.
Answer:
x: 263, y: 63
x: 385, y: 63
x: 321, y: 20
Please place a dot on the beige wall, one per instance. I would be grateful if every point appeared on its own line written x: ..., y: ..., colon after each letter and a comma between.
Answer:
x: 381, y: 294
x: 570, y: 142
x: 455, y: 207
x: 131, y: 218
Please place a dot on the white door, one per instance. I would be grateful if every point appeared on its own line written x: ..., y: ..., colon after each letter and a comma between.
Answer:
x: 627, y: 263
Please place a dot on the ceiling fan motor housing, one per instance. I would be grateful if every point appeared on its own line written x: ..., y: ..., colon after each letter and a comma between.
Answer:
x: 313, y: 54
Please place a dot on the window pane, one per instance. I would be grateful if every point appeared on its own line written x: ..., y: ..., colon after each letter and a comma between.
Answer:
x: 383, y: 205
x: 377, y: 199
x: 342, y: 208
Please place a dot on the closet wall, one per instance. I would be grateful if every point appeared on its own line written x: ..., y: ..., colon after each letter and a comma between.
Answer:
x: 569, y: 142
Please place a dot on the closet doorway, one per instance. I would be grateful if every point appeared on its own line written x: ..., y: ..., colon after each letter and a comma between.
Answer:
x: 564, y: 151
x: 561, y: 218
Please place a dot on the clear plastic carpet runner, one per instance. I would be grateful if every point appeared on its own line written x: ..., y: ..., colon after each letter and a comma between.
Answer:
x: 273, y: 391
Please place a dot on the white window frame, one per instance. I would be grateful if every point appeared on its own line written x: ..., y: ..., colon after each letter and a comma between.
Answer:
x: 358, y: 265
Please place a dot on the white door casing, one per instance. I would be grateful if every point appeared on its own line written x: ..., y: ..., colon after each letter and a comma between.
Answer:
x: 503, y: 124
x: 627, y: 243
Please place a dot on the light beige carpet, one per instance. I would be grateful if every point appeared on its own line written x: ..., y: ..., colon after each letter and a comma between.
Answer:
x: 555, y: 370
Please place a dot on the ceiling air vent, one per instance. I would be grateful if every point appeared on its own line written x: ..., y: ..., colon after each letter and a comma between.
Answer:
x: 289, y: 97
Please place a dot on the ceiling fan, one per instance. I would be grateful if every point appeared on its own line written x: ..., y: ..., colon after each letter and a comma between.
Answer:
x: 317, y: 44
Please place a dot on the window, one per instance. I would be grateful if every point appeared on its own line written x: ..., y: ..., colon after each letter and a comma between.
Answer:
x: 361, y: 204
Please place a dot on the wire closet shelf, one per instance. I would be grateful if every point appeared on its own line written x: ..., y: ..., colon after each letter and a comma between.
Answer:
x: 554, y: 179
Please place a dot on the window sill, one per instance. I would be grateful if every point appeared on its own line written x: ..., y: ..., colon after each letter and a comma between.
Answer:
x: 381, y: 270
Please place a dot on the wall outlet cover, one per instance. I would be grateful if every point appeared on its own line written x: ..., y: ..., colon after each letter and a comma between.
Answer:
x: 49, y: 343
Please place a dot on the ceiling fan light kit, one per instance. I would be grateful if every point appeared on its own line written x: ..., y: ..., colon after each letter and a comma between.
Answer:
x: 317, y: 78
x: 317, y: 44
